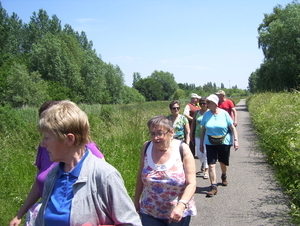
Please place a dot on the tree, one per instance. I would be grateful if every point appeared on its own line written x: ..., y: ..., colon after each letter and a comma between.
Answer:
x: 166, y: 79
x: 4, y: 32
x: 179, y: 94
x: 131, y: 95
x: 114, y: 83
x: 151, y: 89
x: 136, y: 77
x: 279, y: 39
x: 94, y: 90
x: 24, y: 88
x: 59, y: 58
x: 40, y: 24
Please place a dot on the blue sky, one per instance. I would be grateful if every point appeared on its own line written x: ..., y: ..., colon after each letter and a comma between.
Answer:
x: 197, y: 41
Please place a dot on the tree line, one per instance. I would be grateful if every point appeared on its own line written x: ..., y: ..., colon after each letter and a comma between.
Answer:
x: 42, y: 60
x: 279, y: 39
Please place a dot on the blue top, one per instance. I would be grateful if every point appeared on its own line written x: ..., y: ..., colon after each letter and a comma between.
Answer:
x: 59, y: 205
x: 217, y: 125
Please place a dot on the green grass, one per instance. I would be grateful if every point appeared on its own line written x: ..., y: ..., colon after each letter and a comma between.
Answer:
x: 276, y: 120
x: 119, y: 131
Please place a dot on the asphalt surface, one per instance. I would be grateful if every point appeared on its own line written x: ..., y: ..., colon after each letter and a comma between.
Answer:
x: 252, y: 197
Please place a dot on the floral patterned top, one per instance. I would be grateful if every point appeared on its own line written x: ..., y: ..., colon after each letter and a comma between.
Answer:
x: 179, y: 126
x: 163, y: 185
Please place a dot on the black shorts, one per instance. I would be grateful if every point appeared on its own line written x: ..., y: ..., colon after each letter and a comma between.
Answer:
x: 218, y: 152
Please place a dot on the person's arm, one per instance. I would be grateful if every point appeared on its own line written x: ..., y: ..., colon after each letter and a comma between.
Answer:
x: 187, y: 133
x: 203, y: 131
x: 193, y: 128
x: 31, y: 199
x: 234, y: 112
x: 120, y: 207
x: 186, y: 112
x: 139, y: 183
x: 190, y: 188
x: 235, y: 137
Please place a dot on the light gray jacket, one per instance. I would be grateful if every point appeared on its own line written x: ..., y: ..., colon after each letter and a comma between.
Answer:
x: 100, y: 197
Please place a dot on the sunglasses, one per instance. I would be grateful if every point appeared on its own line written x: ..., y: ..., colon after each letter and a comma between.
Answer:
x: 175, y: 108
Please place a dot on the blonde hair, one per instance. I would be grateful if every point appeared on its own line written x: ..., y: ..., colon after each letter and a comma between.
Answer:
x: 63, y: 118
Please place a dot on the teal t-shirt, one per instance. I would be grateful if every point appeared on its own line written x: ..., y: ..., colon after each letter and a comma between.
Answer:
x: 217, y: 125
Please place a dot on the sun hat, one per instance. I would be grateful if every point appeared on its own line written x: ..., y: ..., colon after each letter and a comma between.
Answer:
x: 222, y: 92
x: 194, y: 95
x: 213, y: 98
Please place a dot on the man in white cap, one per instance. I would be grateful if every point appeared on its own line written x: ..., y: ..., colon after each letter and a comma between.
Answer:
x: 189, y: 112
x: 227, y: 105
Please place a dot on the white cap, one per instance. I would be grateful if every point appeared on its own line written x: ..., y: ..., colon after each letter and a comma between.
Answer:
x: 213, y: 98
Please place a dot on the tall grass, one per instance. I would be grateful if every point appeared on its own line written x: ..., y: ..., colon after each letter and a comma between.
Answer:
x: 119, y: 131
x: 19, y: 139
x: 275, y: 117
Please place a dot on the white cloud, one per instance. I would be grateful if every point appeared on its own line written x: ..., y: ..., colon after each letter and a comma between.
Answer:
x: 86, y: 20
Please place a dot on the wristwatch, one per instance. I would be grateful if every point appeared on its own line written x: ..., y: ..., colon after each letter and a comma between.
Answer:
x: 184, y: 203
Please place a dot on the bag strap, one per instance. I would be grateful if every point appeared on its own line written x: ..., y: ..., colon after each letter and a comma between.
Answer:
x: 147, y: 145
x: 180, y: 149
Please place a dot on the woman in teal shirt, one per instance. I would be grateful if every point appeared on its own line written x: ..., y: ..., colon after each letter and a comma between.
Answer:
x: 217, y: 122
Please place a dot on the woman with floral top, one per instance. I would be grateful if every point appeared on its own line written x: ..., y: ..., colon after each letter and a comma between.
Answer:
x: 180, y: 123
x: 166, y: 180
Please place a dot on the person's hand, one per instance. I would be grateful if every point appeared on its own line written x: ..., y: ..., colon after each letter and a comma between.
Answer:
x: 236, y: 145
x: 192, y: 137
x: 15, y: 222
x: 235, y: 124
x: 177, y: 212
x: 137, y: 206
x: 201, y: 149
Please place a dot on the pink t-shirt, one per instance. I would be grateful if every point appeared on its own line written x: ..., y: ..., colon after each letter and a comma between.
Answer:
x: 163, y: 185
x: 44, y: 164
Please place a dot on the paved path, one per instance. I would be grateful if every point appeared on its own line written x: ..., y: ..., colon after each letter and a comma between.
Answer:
x: 252, y: 196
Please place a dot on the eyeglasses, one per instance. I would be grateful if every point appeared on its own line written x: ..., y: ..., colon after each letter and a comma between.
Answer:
x: 202, y: 103
x: 158, y: 135
x: 175, y: 108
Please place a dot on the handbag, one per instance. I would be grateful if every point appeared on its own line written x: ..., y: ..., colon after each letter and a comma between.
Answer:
x: 217, y: 140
